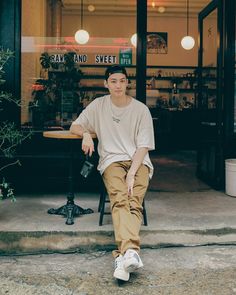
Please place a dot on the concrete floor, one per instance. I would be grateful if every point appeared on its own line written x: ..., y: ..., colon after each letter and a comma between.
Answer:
x: 195, y: 218
x: 208, y: 270
x: 181, y: 210
x: 176, y: 172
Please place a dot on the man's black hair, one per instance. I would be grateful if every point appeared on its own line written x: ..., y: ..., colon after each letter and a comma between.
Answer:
x: 115, y: 69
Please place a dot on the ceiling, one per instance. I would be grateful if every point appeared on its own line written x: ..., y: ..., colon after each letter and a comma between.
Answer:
x: 175, y: 8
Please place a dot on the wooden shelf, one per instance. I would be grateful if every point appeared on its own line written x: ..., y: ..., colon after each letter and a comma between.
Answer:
x: 171, y: 78
x: 100, y: 88
x: 148, y: 66
x: 94, y: 88
x: 188, y: 90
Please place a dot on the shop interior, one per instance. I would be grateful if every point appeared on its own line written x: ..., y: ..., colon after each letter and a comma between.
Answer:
x: 55, y: 84
x: 60, y: 77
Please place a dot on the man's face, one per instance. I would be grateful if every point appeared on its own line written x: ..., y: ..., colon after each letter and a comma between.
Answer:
x: 117, y: 83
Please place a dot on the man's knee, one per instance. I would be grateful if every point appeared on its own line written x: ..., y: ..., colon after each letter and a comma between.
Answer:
x: 119, y: 202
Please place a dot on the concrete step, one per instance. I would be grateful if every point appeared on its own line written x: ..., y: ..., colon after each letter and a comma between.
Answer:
x: 51, y: 242
x: 174, y: 219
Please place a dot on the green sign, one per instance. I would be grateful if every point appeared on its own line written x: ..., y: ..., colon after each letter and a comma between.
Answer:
x: 125, y: 56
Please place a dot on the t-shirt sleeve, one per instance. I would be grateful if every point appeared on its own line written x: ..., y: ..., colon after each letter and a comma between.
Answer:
x: 145, y: 136
x: 87, y: 118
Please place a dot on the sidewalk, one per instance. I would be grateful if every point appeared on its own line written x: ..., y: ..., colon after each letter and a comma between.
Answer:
x: 174, y: 219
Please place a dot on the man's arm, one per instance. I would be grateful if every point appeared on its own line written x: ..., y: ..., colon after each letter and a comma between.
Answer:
x: 77, y: 129
x: 136, y: 162
x: 87, y: 142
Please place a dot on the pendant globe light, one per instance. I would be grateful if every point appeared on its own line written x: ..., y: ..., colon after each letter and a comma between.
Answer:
x: 81, y: 36
x: 187, y: 42
x: 133, y: 40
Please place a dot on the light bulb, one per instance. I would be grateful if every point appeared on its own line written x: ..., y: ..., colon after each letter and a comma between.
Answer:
x: 81, y: 37
x: 133, y: 40
x: 153, y: 4
x: 91, y: 8
x: 161, y: 9
x: 187, y: 42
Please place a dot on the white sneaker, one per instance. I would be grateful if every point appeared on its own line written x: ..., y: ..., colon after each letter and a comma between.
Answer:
x: 132, y: 261
x: 120, y: 273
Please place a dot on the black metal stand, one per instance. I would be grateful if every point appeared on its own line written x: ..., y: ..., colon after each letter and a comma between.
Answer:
x: 70, y: 210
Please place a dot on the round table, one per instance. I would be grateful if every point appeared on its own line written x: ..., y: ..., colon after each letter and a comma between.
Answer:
x: 70, y: 209
x: 63, y: 134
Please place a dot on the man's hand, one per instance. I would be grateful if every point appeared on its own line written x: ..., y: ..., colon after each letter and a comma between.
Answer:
x: 87, y: 144
x: 136, y: 162
x: 130, y: 183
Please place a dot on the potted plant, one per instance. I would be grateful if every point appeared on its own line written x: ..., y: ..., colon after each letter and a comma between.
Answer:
x: 10, y: 136
x: 62, y: 83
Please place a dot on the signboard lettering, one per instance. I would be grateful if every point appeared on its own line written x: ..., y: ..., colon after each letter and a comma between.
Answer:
x: 107, y: 59
x: 125, y: 56
x: 57, y: 58
x: 78, y: 58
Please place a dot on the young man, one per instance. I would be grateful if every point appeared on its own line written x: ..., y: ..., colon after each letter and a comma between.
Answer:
x: 124, y: 129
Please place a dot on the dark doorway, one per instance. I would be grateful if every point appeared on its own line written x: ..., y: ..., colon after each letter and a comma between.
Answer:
x: 175, y: 171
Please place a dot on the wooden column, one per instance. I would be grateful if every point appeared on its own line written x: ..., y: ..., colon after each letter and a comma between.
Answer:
x: 56, y: 18
x: 141, y: 58
x: 10, y: 38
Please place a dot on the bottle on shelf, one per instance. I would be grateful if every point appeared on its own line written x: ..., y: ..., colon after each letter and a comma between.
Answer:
x: 174, y: 100
x: 153, y: 82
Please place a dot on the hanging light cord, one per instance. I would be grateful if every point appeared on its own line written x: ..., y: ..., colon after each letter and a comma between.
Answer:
x: 187, y: 15
x: 81, y: 14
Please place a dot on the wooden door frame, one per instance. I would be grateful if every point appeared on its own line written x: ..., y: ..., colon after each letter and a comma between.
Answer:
x: 215, y: 147
x: 226, y: 138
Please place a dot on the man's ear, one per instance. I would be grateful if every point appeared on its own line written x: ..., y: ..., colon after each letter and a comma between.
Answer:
x: 105, y: 84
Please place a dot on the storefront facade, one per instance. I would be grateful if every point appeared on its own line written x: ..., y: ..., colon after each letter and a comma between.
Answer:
x: 192, y: 104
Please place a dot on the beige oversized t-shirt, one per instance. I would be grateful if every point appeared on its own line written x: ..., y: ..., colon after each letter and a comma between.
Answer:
x: 120, y: 131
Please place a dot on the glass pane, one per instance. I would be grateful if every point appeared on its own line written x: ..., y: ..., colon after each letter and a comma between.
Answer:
x: 210, y: 43
x: 171, y: 70
x: 59, y: 76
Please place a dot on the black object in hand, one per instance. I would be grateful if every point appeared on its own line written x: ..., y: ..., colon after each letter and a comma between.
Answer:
x: 86, y: 168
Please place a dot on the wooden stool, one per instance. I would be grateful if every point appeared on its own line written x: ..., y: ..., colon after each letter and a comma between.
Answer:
x: 104, y: 199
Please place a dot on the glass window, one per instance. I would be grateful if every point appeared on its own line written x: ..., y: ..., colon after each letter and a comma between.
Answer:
x: 60, y: 76
x: 209, y: 66
x: 171, y: 69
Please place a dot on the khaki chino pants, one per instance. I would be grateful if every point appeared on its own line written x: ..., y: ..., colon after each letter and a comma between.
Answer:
x: 126, y: 210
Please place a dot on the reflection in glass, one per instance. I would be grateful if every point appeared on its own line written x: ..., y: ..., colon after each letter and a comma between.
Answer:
x: 209, y: 61
x: 60, y: 77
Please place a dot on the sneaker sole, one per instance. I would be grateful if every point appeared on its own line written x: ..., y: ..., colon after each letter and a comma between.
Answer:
x: 132, y: 266
x: 121, y: 276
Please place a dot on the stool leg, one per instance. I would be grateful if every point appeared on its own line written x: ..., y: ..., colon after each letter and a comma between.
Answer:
x: 101, y: 198
x: 102, y: 206
x: 100, y: 202
x: 145, y: 222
